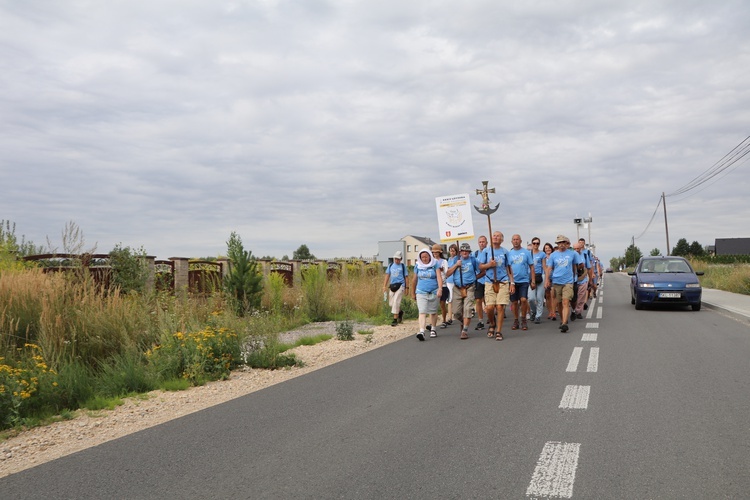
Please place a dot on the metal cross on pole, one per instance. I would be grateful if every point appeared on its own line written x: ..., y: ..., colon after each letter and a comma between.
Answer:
x: 488, y: 210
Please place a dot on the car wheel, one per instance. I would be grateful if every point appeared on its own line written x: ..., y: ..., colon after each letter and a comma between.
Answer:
x: 638, y: 304
x: 696, y: 307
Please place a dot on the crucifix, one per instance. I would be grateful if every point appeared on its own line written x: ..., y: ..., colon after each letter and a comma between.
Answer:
x: 488, y: 210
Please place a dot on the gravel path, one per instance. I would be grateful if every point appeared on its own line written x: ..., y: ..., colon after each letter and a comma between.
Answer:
x: 42, y: 444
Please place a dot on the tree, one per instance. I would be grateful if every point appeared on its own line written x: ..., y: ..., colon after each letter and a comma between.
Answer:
x: 696, y: 250
x: 655, y: 252
x: 129, y: 269
x: 303, y: 253
x: 682, y: 248
x: 243, y: 284
x: 632, y: 255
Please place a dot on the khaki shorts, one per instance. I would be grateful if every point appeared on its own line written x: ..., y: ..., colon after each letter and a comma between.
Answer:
x: 501, y: 298
x: 563, y: 291
x: 462, y: 306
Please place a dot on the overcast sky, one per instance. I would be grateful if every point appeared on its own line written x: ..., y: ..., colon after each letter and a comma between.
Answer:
x: 170, y: 124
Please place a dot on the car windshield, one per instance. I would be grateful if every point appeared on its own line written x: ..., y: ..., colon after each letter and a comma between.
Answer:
x: 665, y: 266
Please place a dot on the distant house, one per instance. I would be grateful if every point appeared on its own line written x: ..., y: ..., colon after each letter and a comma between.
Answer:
x: 409, y: 245
x: 732, y: 246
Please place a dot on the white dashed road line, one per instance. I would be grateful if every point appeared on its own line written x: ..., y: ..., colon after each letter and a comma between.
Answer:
x: 591, y: 309
x: 593, y: 365
x: 555, y: 471
x: 575, y: 397
x: 574, y: 359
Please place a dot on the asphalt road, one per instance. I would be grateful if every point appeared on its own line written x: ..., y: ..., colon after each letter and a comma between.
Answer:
x: 628, y: 404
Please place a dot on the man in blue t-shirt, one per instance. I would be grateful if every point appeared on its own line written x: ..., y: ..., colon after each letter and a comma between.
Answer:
x: 563, y: 267
x: 466, y: 270
x: 499, y: 286
x: 479, y: 302
x: 523, y: 269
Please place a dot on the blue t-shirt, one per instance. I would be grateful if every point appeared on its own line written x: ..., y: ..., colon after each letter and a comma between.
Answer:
x: 427, y: 279
x: 469, y: 270
x: 500, y: 271
x: 562, y: 264
x: 587, y: 264
x: 537, y: 258
x: 397, y: 272
x: 451, y: 263
x: 520, y: 263
x: 481, y: 259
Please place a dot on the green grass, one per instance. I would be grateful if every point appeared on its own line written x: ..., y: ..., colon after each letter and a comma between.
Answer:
x: 97, y: 403
x: 733, y: 278
x: 175, y: 384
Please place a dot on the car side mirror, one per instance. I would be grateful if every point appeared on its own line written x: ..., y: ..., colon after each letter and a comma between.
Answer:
x: 699, y: 273
x: 631, y: 273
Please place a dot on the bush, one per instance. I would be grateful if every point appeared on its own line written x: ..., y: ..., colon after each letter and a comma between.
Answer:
x: 124, y: 374
x: 271, y: 357
x: 315, y: 286
x: 210, y: 354
x: 129, y: 269
x: 345, y: 330
x: 275, y: 287
x: 21, y: 381
x: 244, y: 283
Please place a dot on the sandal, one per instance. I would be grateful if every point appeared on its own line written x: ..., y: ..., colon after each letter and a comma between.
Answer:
x: 498, y: 336
x: 464, y: 335
x: 491, y: 332
x: 444, y: 325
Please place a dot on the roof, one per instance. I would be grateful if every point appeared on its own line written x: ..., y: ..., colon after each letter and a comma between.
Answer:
x: 422, y: 239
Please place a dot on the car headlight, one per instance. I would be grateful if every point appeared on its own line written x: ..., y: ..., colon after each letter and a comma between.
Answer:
x: 693, y: 285
x: 646, y: 285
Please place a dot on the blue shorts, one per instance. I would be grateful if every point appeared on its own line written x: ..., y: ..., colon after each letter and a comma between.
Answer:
x: 522, y: 291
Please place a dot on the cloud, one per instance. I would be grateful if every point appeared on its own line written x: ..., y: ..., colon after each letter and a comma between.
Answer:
x: 336, y: 124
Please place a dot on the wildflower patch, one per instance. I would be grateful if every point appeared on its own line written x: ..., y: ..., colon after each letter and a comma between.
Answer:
x: 209, y: 354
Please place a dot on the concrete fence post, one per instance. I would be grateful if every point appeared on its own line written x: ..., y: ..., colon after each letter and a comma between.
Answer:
x: 181, y: 273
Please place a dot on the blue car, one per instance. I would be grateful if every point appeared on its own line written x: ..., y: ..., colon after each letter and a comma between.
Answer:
x: 665, y: 280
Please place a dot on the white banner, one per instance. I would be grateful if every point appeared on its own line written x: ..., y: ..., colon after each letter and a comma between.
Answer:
x: 454, y: 217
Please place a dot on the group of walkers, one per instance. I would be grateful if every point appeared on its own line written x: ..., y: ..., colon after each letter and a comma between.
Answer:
x: 485, y: 281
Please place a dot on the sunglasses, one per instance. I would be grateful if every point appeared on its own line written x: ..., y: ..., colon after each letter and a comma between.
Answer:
x: 534, y: 242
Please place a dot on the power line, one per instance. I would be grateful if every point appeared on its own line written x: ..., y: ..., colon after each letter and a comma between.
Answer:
x: 651, y: 221
x: 716, y: 180
x: 729, y: 159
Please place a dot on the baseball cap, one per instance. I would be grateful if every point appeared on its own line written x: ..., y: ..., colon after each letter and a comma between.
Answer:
x: 437, y: 248
x: 562, y: 238
x: 398, y: 255
x: 466, y: 247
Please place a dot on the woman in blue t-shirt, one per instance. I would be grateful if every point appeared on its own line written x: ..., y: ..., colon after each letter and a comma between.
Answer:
x: 427, y: 288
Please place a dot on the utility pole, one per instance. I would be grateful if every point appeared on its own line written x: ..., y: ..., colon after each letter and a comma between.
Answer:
x: 666, y: 226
